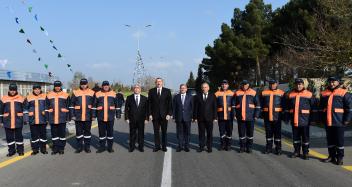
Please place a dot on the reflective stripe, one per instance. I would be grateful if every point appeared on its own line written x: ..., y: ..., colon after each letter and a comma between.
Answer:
x: 110, y: 138
x: 269, y: 139
x: 242, y: 138
x: 102, y: 138
x: 223, y: 136
x: 25, y: 112
x: 10, y: 143
x: 307, y: 143
x: 71, y: 107
x: 62, y: 138
x: 277, y: 140
x: 35, y: 141
x: 341, y: 147
x: 94, y: 108
x: 19, y: 143
x: 250, y: 138
x: 43, y: 140
x: 55, y: 138
x: 228, y: 137
x: 295, y: 142
x: 81, y: 136
x: 1, y: 115
x: 87, y: 136
x: 118, y: 108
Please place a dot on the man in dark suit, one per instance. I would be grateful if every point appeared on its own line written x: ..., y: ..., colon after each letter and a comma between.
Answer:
x: 205, y: 113
x: 160, y: 111
x: 136, y: 115
x: 182, y: 114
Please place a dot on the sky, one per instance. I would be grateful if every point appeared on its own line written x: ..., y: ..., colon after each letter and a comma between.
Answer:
x: 91, y: 36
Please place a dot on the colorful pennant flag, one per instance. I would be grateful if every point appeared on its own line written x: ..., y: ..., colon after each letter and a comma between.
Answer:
x: 21, y: 31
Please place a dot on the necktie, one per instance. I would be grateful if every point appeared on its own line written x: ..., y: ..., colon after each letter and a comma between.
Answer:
x: 205, y: 97
x: 183, y: 99
x: 137, y: 100
x: 159, y: 92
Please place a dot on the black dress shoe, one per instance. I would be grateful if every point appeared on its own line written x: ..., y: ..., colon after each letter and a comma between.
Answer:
x: 61, y: 152
x: 329, y: 159
x: 111, y: 150
x: 267, y: 151
x: 54, y: 152
x: 278, y: 151
x: 241, y: 150
x: 249, y: 150
x: 10, y: 154
x: 295, y: 155
x: 141, y: 149
x: 130, y: 150
x: 78, y: 151
x: 156, y: 149
x: 339, y: 161
x: 44, y: 152
x: 186, y: 149
x: 178, y: 149
x: 200, y: 149
x: 34, y: 152
x: 305, y: 157
x: 209, y: 150
x: 87, y: 150
x: 20, y: 154
x: 164, y: 149
x: 100, y: 150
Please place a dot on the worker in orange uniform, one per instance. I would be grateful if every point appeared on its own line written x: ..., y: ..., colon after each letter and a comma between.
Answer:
x: 225, y: 115
x: 272, y: 103
x: 58, y: 103
x: 107, y: 109
x: 247, y: 109
x: 299, y: 110
x: 336, y: 112
x: 35, y: 105
x: 82, y: 101
x: 11, y: 117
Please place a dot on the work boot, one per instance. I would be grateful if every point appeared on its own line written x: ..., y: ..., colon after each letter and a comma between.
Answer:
x: 329, y: 159
x: 339, y: 161
x: 34, y: 152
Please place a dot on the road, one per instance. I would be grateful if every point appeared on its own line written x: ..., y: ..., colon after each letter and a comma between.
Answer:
x: 122, y: 168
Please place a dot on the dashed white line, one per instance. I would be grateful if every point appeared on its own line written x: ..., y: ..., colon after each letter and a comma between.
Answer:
x: 166, y: 179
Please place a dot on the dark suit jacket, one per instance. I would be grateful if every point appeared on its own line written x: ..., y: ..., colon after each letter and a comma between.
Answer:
x: 205, y: 110
x: 134, y: 113
x: 182, y: 112
x: 161, y: 106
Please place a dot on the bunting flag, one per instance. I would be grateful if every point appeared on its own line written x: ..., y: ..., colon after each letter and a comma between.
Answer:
x: 29, y: 41
x: 30, y: 9
x: 46, y: 66
x: 59, y: 56
x: 16, y: 19
x: 36, y: 17
x: 54, y: 47
x: 34, y: 51
x: 9, y: 74
x: 39, y: 59
x: 50, y: 74
x: 21, y: 31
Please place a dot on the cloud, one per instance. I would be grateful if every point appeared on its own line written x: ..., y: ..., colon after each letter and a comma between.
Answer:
x: 102, y: 65
x: 3, y: 63
x: 161, y: 65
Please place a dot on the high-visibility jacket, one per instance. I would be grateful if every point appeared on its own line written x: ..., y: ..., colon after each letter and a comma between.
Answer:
x: 11, y: 111
x: 36, y: 107
x: 246, y: 104
x: 58, y: 104
x: 335, y: 107
x: 300, y: 107
x: 82, y: 102
x: 224, y: 104
x: 273, y: 104
x: 106, y: 105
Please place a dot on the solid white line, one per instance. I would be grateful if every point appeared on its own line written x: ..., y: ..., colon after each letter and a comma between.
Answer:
x: 166, y: 175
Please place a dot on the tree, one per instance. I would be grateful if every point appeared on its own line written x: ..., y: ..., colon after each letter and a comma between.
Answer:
x: 74, y: 83
x: 241, y: 48
x: 200, y: 79
x: 191, y: 82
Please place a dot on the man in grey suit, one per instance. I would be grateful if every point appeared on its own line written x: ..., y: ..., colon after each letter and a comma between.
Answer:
x: 182, y: 113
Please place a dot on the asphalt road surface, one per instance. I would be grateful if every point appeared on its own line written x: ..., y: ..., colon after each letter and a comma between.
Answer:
x: 122, y: 168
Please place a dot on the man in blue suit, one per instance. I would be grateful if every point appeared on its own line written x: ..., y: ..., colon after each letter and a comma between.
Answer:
x: 182, y: 113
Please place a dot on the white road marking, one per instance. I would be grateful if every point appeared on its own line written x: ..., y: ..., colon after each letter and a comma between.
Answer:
x: 167, y: 174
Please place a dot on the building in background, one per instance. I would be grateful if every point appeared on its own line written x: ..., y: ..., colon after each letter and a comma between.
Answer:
x: 24, y: 81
